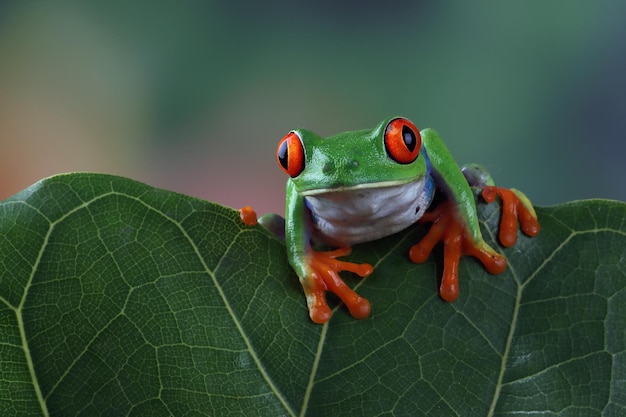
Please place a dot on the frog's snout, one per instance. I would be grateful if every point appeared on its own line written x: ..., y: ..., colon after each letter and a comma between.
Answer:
x: 349, y: 165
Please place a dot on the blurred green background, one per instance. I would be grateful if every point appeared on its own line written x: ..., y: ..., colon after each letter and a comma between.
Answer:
x: 194, y: 96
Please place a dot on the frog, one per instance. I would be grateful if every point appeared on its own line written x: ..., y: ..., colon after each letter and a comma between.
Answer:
x: 360, y: 186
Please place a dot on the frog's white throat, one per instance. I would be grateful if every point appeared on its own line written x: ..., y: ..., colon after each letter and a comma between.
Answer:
x: 367, y: 212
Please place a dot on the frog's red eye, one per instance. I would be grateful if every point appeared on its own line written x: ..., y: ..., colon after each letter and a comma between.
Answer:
x: 290, y: 154
x: 402, y: 141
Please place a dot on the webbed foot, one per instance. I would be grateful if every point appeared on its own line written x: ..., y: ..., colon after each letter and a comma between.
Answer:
x: 324, y: 276
x: 321, y: 272
x: 456, y: 243
x: 515, y: 206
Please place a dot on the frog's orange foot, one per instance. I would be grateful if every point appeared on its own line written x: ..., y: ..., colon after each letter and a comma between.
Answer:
x: 324, y: 276
x: 515, y: 206
x: 456, y: 243
x: 248, y: 216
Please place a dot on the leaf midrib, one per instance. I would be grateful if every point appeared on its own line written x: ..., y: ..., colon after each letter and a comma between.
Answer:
x: 18, y: 311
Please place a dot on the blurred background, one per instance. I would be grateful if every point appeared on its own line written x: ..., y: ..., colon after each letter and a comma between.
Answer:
x: 194, y: 96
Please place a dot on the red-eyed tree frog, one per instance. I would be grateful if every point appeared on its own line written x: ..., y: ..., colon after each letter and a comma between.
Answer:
x: 360, y: 186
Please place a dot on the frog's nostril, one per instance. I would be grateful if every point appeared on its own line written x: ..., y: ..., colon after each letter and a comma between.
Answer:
x: 328, y: 168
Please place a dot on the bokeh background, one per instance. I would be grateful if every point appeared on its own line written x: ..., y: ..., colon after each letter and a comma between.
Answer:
x: 193, y: 96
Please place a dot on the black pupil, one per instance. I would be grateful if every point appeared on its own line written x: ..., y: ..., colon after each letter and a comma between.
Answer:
x: 283, y: 155
x: 409, y: 138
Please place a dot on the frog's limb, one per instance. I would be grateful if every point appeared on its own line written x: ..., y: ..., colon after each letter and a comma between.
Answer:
x: 449, y: 178
x: 515, y: 205
x: 319, y: 271
x: 477, y: 176
x: 456, y: 243
x: 274, y: 223
x: 324, y: 276
x: 271, y: 221
x: 455, y: 221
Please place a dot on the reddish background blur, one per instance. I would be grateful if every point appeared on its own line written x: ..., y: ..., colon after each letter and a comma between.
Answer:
x: 193, y: 97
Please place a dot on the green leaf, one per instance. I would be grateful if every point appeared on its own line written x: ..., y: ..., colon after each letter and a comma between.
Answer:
x: 117, y: 298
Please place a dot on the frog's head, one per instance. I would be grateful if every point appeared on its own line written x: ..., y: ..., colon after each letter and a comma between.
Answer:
x: 390, y: 154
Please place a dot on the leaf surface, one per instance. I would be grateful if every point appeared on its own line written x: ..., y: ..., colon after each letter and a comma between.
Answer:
x: 117, y: 298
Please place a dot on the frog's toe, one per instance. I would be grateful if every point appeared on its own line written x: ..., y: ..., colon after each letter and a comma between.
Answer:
x: 359, y: 307
x: 319, y: 312
x: 248, y: 216
x: 527, y: 215
x: 493, y: 262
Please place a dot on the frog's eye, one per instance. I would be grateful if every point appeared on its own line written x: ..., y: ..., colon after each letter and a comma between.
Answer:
x: 290, y: 154
x: 402, y: 141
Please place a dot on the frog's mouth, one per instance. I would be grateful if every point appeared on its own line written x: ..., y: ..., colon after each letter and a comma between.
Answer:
x: 350, y: 215
x: 350, y: 188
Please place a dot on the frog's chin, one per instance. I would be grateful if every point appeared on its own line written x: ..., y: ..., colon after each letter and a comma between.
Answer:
x: 348, y: 188
x: 348, y: 216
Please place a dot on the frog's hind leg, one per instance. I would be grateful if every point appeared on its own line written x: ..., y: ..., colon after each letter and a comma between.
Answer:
x: 274, y: 223
x: 271, y: 221
x: 477, y: 176
x: 515, y: 205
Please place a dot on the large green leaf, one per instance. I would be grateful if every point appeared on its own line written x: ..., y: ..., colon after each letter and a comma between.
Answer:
x: 117, y: 298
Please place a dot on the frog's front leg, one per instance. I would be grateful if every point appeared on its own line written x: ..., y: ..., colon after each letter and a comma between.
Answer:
x: 318, y: 271
x: 449, y: 227
x: 455, y: 221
